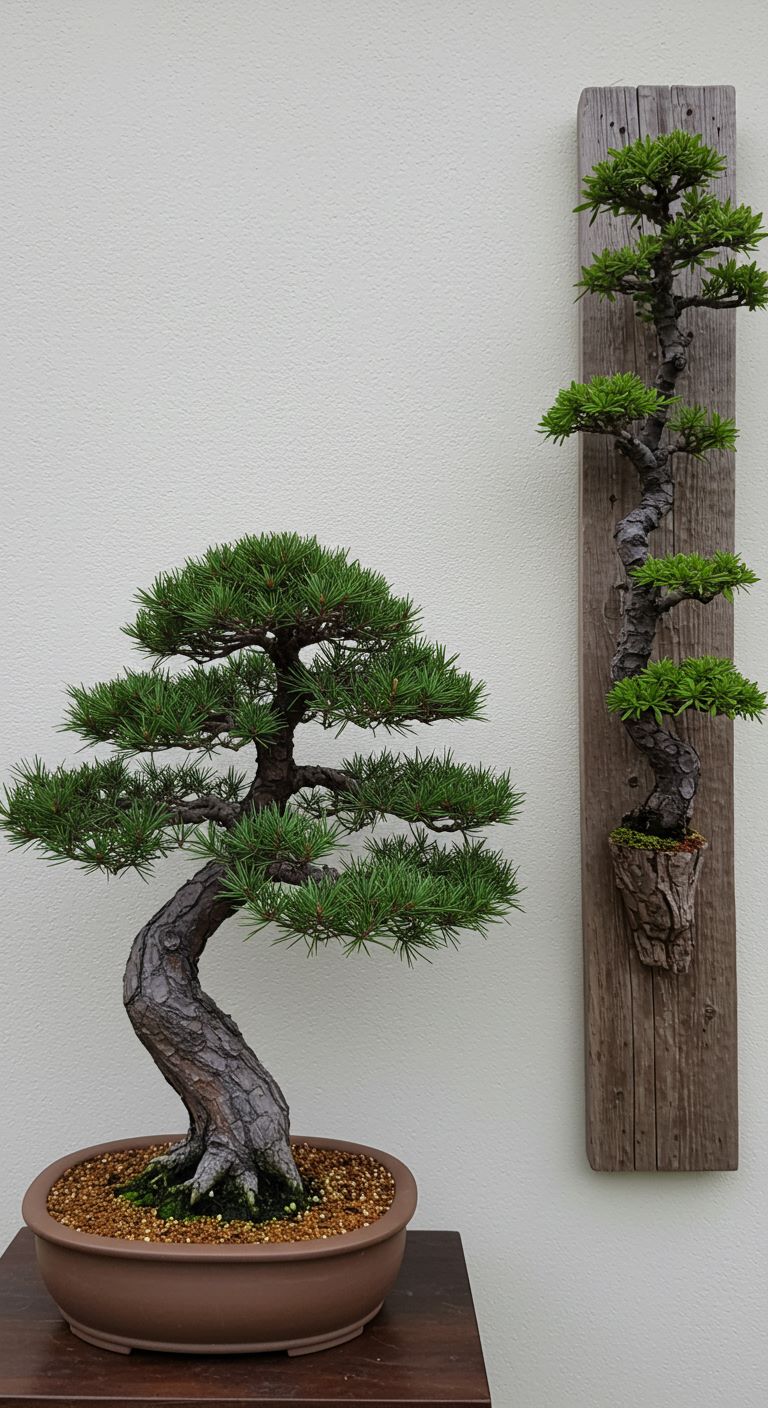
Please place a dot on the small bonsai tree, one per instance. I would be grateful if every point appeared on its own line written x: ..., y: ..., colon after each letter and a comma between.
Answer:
x: 276, y: 632
x: 663, y: 184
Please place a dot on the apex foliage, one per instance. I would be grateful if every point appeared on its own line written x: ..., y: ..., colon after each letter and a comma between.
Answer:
x: 644, y: 181
x: 635, y: 178
x: 261, y: 591
x: 311, y: 637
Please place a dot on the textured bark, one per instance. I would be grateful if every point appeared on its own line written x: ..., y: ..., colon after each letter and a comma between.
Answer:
x: 676, y: 767
x: 658, y: 889
x: 238, y: 1116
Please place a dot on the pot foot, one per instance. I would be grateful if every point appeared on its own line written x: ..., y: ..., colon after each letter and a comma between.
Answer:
x: 98, y: 1340
x: 335, y: 1340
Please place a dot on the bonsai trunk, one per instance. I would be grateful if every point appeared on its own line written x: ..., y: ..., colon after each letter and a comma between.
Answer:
x: 677, y: 768
x: 238, y: 1116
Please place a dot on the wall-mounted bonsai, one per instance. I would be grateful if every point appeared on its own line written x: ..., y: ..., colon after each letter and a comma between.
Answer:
x: 230, y: 1239
x: 662, y: 185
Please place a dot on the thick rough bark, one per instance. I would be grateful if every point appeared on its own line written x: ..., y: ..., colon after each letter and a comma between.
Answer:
x: 658, y: 889
x: 676, y: 766
x: 238, y: 1116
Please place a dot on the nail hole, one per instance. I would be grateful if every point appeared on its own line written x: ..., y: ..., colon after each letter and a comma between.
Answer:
x: 689, y: 112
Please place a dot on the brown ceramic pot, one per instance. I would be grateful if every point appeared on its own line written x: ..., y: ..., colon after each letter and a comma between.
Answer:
x: 296, y: 1296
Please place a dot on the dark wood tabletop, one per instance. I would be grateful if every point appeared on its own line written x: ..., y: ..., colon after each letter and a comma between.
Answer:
x: 423, y: 1348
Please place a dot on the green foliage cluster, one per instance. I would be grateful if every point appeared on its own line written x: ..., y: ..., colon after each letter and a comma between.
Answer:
x: 696, y: 576
x: 271, y: 834
x: 604, y: 405
x: 624, y: 270
x: 645, y: 841
x: 644, y: 180
x: 609, y: 405
x: 405, y: 894
x: 411, y: 681
x: 707, y: 684
x: 633, y: 179
x: 224, y: 706
x: 735, y: 285
x: 104, y: 815
x: 249, y: 592
x: 701, y: 431
x: 432, y: 790
x: 311, y: 637
x: 702, y: 226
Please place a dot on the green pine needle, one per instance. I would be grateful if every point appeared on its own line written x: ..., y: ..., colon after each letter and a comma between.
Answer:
x: 707, y: 685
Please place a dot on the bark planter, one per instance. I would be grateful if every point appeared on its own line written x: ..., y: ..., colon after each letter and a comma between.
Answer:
x: 658, y: 889
x: 224, y: 1299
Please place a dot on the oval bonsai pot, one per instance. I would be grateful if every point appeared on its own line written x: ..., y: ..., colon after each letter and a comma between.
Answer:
x: 219, y: 1299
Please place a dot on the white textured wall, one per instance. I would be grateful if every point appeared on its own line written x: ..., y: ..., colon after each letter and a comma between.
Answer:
x: 308, y: 265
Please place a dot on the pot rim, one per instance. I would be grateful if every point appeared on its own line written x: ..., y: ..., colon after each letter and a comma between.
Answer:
x: 36, y: 1215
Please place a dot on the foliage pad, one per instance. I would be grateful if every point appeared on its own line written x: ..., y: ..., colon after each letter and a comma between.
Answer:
x: 708, y: 685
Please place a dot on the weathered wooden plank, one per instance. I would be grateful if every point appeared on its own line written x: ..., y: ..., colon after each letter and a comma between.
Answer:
x: 660, y: 1050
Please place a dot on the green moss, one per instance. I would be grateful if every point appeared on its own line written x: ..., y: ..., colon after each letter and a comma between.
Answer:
x: 154, y: 1189
x: 642, y: 841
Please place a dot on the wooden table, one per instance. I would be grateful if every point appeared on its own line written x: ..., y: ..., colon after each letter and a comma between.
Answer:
x: 424, y: 1348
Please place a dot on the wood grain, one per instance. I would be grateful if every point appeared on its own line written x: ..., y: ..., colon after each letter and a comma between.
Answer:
x: 661, y: 1060
x: 423, y: 1348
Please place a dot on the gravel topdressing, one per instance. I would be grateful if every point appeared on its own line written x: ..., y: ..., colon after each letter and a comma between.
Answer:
x: 355, y: 1190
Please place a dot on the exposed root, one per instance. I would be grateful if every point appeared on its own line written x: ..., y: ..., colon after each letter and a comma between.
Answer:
x: 215, y: 1164
x: 223, y: 1183
x: 179, y: 1157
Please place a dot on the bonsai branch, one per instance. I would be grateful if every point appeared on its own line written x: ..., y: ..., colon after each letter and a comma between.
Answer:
x: 205, y: 808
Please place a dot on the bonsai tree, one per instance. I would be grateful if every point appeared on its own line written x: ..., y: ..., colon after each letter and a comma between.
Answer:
x: 274, y: 632
x: 663, y: 185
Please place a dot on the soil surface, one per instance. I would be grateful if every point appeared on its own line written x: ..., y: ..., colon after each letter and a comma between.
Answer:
x: 352, y: 1191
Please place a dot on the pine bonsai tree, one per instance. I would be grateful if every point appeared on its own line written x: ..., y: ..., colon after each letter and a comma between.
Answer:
x: 276, y: 632
x: 663, y: 185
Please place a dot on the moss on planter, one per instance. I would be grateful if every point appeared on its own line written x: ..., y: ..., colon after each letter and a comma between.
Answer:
x: 642, y: 841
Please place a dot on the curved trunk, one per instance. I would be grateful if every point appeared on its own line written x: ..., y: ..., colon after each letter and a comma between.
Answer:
x: 238, y: 1116
x: 668, y: 809
x: 676, y: 768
